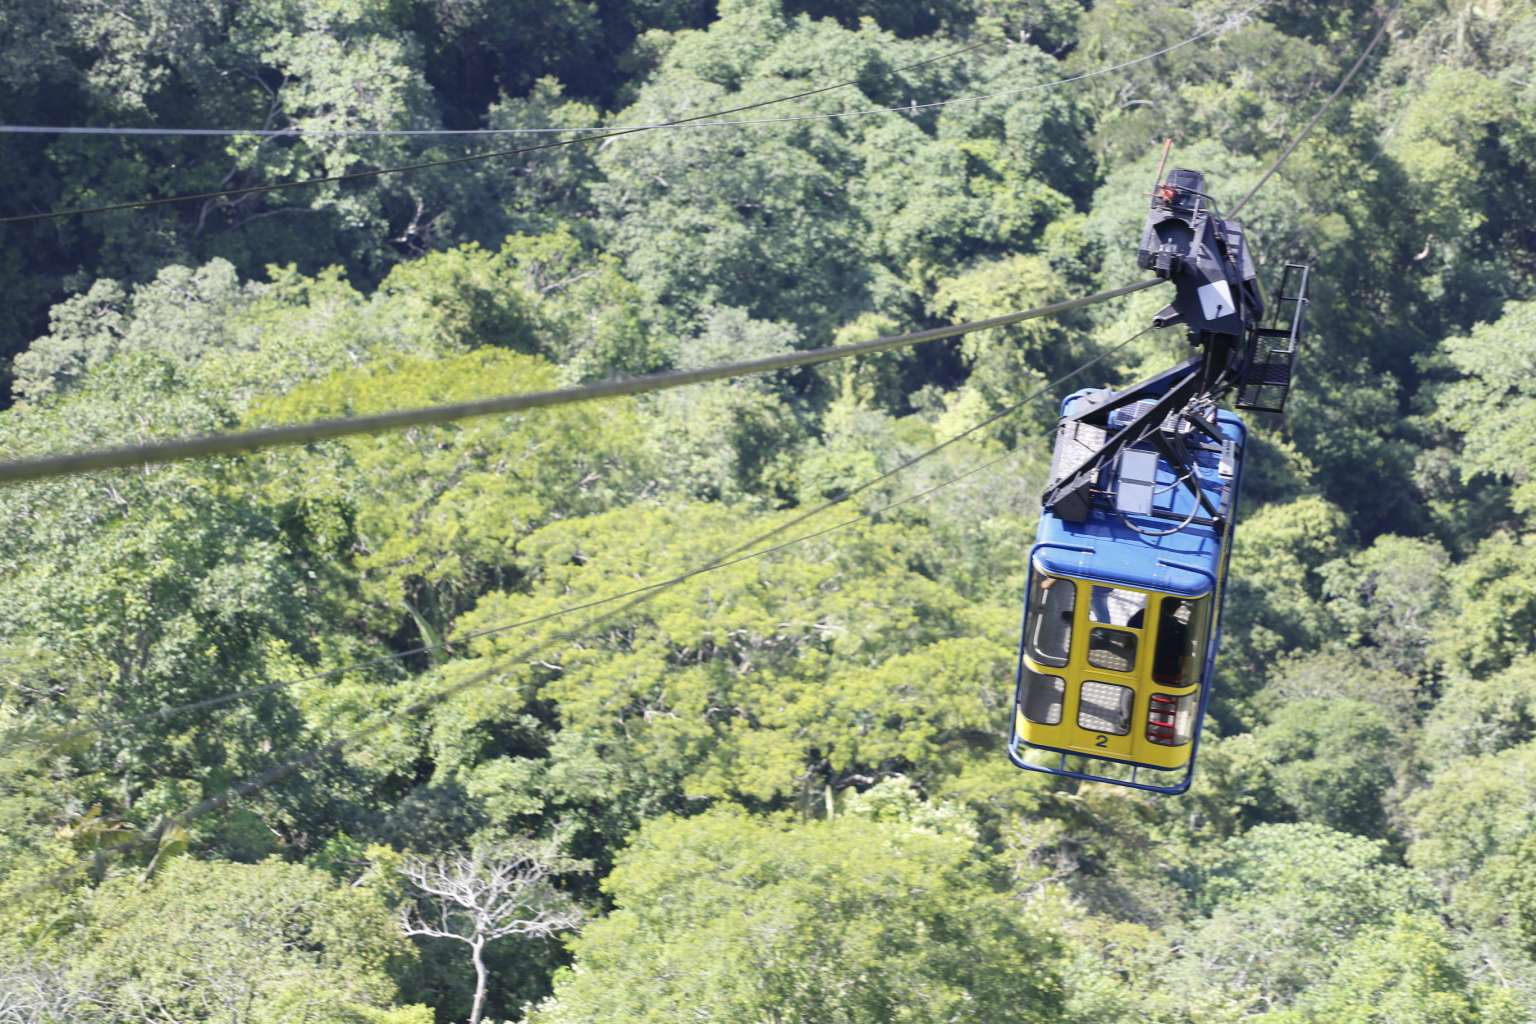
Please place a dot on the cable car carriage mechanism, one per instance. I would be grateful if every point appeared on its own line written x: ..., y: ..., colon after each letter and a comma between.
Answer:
x: 1123, y: 604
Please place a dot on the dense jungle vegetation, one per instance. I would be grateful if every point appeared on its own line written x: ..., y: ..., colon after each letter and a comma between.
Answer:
x: 777, y: 791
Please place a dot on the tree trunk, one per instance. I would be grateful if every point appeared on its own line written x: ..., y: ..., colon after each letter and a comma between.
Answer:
x: 431, y: 635
x: 474, y: 1014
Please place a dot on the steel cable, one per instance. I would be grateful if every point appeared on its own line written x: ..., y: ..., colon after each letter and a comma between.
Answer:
x: 297, y: 133
x: 151, y: 452
x: 701, y: 120
x: 458, y: 160
x: 638, y: 597
x: 66, y: 738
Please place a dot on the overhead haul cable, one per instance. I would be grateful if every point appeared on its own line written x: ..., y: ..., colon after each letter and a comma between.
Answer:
x: 45, y: 466
x: 751, y: 547
x: 300, y: 133
x: 701, y: 120
x: 469, y: 158
x: 740, y: 552
x: 266, y: 778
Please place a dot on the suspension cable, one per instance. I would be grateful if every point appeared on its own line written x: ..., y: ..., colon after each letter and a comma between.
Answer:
x: 210, y: 703
x: 470, y: 158
x: 1290, y: 147
x: 700, y: 120
x: 172, y: 450
x: 735, y: 554
x: 296, y: 132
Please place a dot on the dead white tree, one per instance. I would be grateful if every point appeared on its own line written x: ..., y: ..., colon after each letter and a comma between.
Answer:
x: 32, y: 992
x: 489, y: 893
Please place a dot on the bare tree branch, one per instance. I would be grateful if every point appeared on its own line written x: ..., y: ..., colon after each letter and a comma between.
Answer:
x: 489, y: 893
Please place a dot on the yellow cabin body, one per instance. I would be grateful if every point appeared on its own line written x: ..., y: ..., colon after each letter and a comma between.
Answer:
x: 1111, y: 672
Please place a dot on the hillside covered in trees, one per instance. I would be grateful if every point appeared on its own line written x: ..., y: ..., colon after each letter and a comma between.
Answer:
x: 298, y: 738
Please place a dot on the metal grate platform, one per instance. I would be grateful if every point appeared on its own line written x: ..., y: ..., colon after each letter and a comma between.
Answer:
x: 1270, y: 359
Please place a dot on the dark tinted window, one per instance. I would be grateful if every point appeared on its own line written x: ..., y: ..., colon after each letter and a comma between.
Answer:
x: 1042, y: 697
x: 1048, y: 630
x: 1182, y: 627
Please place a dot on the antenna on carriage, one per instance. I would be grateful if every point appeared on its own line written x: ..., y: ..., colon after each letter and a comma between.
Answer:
x: 1162, y: 162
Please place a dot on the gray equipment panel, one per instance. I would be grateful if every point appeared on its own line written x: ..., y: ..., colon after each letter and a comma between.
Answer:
x: 1137, y: 482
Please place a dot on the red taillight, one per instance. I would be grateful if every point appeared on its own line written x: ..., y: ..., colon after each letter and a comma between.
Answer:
x: 1162, y: 711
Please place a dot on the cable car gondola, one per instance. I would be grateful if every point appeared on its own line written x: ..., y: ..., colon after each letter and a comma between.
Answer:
x: 1123, y: 602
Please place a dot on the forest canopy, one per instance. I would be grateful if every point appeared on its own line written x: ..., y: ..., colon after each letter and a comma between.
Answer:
x: 311, y: 735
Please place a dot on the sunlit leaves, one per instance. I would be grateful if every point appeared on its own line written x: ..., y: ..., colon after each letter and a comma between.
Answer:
x: 440, y: 511
x: 1283, y: 902
x: 282, y: 940
x: 852, y: 919
x: 1493, y: 404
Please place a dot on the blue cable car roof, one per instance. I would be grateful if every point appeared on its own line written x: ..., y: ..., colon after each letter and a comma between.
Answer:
x: 1105, y: 549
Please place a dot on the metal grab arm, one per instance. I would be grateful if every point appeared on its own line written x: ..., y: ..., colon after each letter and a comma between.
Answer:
x: 1069, y: 496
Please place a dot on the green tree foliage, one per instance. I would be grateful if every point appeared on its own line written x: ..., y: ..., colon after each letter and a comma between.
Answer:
x: 274, y: 941
x: 1006, y: 361
x: 1330, y: 761
x: 1230, y: 91
x: 1385, y: 601
x: 786, y: 774
x: 1341, y: 674
x: 1493, y: 404
x: 1407, y: 971
x: 1276, y: 587
x: 437, y: 515
x: 1493, y: 599
x: 1484, y: 715
x: 1471, y: 815
x: 851, y: 919
x: 772, y: 680
x: 719, y: 440
x: 696, y: 226
x: 149, y: 590
x: 268, y: 65
x: 1281, y: 904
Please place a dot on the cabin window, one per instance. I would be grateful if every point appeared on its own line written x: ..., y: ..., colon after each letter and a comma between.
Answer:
x: 1182, y: 627
x: 1105, y: 707
x: 1042, y: 698
x: 1049, y: 629
x: 1170, y: 719
x: 1114, y: 649
x: 1115, y: 607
